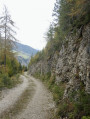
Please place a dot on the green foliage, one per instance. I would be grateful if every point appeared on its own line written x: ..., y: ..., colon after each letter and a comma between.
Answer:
x: 39, y: 56
x: 1, y: 83
x: 75, y: 109
x: 5, y: 81
x: 82, y: 107
x: 7, y: 72
x: 86, y: 117
x: 71, y: 14
x: 63, y: 108
x: 15, y: 80
x: 24, y: 68
x: 9, y: 82
x: 12, y: 66
x: 56, y: 93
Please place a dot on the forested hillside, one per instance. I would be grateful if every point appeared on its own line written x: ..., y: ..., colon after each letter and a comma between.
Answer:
x: 64, y: 64
x: 9, y: 66
x: 25, y: 49
x: 24, y: 53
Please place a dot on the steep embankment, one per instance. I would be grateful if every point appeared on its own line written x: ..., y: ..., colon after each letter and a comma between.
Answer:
x: 71, y: 67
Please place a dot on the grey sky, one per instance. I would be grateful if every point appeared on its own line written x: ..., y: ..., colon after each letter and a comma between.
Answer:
x: 32, y: 17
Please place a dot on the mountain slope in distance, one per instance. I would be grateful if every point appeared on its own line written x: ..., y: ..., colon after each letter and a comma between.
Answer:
x: 26, y: 49
x: 24, y: 53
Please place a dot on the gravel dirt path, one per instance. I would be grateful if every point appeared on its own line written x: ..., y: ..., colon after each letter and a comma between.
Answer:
x: 40, y: 104
x: 10, y: 96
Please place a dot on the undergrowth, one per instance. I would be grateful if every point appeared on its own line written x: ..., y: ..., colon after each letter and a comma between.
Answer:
x: 9, y: 82
x: 67, y: 107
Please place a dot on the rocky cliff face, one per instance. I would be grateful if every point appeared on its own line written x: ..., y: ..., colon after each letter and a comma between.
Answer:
x: 71, y: 64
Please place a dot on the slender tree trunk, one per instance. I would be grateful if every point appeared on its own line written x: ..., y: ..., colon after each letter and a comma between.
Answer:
x: 5, y: 44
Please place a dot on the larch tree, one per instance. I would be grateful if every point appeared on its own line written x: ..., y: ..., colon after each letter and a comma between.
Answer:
x: 70, y: 15
x: 7, y: 33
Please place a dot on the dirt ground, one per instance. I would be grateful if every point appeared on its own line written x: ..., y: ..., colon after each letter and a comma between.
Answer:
x: 40, y: 104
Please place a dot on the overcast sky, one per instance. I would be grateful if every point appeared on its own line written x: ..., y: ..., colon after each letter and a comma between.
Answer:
x: 32, y: 17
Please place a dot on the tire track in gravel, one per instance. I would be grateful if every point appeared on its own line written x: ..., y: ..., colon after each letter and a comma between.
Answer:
x: 41, y: 106
x: 10, y: 96
x: 40, y: 103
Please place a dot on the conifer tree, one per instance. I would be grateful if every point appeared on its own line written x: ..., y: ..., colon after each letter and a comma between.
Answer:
x: 7, y: 33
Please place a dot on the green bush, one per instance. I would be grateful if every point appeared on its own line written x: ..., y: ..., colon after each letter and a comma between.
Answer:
x: 15, y: 80
x: 1, y: 84
x: 9, y: 82
x: 82, y: 107
x: 63, y: 109
x: 86, y: 117
x: 5, y: 80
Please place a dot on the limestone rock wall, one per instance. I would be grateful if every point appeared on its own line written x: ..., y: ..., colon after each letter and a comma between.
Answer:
x: 72, y: 64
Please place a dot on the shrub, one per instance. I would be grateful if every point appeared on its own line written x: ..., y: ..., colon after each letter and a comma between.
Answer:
x: 86, y: 117
x: 62, y: 109
x: 5, y: 80
x: 1, y: 84
x: 82, y: 107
